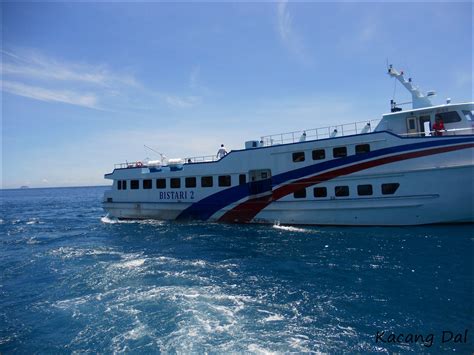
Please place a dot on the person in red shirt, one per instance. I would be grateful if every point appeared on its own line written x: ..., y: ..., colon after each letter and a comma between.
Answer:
x: 438, y: 127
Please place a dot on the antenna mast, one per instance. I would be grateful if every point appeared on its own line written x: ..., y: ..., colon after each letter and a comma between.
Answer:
x: 419, y: 99
x: 162, y: 156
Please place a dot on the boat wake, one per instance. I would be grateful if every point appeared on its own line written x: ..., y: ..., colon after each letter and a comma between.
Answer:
x: 291, y: 228
x: 111, y: 220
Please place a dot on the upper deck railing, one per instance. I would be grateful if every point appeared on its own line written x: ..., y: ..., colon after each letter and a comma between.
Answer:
x: 201, y: 159
x: 320, y: 133
x: 309, y: 134
x: 188, y: 160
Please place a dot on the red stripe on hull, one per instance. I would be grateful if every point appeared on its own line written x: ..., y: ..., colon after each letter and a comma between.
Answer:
x: 246, y: 211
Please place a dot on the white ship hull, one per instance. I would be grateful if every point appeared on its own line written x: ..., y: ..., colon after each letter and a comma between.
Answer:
x: 433, y: 177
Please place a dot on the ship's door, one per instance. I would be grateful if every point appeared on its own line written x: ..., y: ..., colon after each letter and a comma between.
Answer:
x: 412, y: 128
x: 425, y: 125
x: 260, y: 181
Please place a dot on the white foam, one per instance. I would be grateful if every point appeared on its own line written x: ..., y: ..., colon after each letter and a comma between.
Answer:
x: 69, y: 252
x: 130, y: 264
x: 33, y: 221
x: 112, y: 220
x: 291, y: 228
x: 32, y: 240
x: 274, y: 318
x: 254, y: 348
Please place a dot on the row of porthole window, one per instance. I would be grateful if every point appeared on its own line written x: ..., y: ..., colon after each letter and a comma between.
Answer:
x: 337, y: 152
x: 175, y: 183
x: 343, y: 191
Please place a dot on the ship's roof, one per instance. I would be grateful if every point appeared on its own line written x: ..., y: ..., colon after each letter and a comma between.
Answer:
x: 427, y: 108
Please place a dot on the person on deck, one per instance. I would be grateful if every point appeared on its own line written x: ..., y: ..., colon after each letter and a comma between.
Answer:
x: 438, y: 127
x: 221, y: 153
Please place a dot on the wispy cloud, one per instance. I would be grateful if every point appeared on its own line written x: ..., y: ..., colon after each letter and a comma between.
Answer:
x: 31, y: 74
x: 290, y: 38
x: 33, y: 65
x: 42, y: 94
x: 182, y: 101
x: 367, y: 32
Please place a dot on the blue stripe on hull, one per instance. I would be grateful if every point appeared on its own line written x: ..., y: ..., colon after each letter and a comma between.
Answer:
x: 206, y: 207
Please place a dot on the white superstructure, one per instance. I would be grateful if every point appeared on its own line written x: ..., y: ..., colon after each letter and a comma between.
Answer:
x: 399, y: 170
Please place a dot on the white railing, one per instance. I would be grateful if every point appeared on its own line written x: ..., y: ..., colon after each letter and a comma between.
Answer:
x: 200, y: 159
x: 188, y: 160
x: 133, y: 164
x: 320, y: 133
x: 446, y: 132
x: 310, y: 134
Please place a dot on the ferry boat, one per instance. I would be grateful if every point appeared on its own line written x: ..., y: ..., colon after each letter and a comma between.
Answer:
x: 404, y: 169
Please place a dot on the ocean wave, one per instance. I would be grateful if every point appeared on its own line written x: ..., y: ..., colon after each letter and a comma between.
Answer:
x: 71, y: 252
x: 130, y: 264
x: 291, y: 228
x: 112, y: 220
x: 34, y: 221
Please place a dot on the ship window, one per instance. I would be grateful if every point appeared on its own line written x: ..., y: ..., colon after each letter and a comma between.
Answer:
x: 319, y: 154
x: 320, y: 192
x: 134, y: 184
x: 242, y: 179
x: 147, y: 184
x: 389, y: 189
x: 298, y: 157
x: 175, y: 183
x: 119, y: 185
x: 411, y: 124
x: 468, y: 114
x: 341, y: 191
x: 190, y: 182
x: 300, y: 193
x: 224, y: 180
x: 124, y: 184
x: 364, y: 190
x: 206, y: 181
x: 161, y: 183
x: 449, y: 117
x: 264, y: 175
x: 339, y: 152
x: 362, y: 148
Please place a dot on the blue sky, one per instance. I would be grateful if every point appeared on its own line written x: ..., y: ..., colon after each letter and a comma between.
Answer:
x: 86, y: 85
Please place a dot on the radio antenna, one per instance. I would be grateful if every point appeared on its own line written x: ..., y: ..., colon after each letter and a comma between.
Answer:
x: 162, y: 156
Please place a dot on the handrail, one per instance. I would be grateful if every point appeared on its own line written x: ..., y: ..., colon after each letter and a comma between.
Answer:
x: 188, y: 160
x: 200, y: 159
x: 320, y: 133
x: 310, y: 134
x: 446, y: 132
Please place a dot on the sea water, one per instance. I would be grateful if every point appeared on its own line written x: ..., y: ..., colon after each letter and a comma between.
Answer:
x: 74, y: 280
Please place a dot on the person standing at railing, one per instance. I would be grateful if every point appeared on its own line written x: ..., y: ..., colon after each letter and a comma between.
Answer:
x: 438, y: 127
x: 221, y: 153
x: 303, y: 137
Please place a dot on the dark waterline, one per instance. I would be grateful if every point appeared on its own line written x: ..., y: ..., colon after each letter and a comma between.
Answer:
x: 72, y: 280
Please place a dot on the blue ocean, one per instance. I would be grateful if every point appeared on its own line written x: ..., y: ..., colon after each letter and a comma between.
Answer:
x: 74, y: 280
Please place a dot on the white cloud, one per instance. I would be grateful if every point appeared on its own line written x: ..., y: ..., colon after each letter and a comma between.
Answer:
x: 42, y: 94
x: 368, y: 32
x: 36, y: 76
x: 33, y: 65
x: 290, y: 38
x: 182, y: 101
